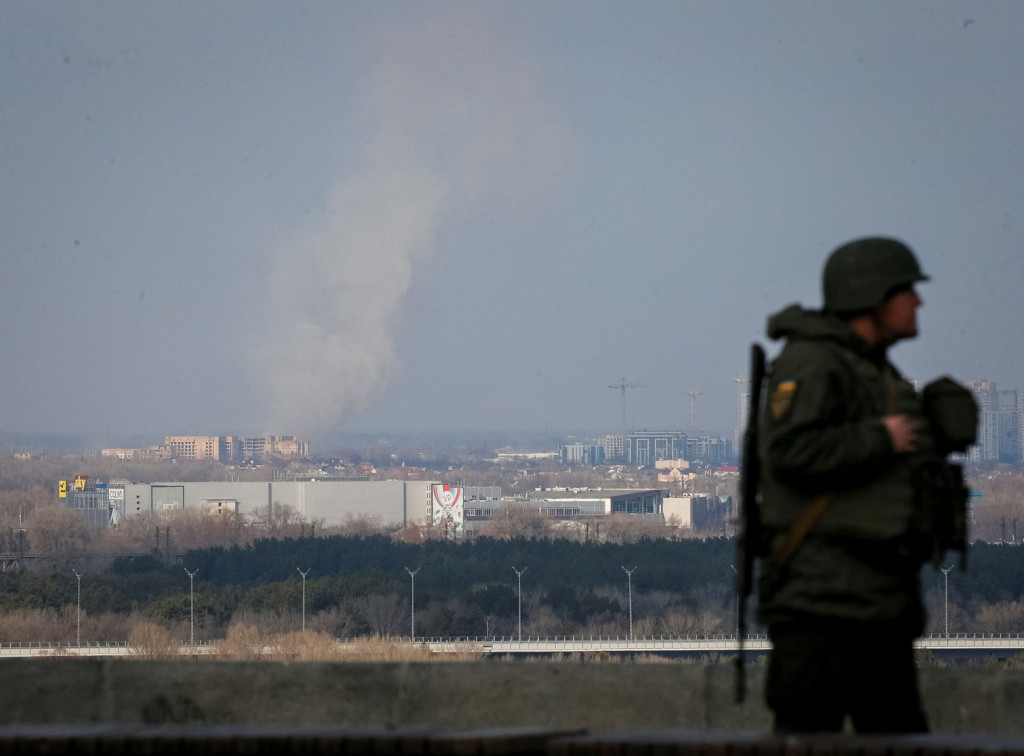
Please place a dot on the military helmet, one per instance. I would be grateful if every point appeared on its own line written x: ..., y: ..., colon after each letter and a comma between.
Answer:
x: 862, y: 273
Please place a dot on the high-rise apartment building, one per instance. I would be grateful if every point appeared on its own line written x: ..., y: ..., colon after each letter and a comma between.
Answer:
x: 742, y: 416
x: 709, y: 450
x: 582, y: 454
x: 192, y: 447
x: 1009, y: 420
x: 1000, y: 425
x: 612, y: 446
x: 644, y: 448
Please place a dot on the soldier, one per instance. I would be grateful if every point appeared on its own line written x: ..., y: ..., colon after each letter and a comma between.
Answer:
x: 843, y: 439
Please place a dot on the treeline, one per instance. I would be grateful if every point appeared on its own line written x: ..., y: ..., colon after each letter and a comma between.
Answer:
x: 362, y: 586
x: 447, y: 566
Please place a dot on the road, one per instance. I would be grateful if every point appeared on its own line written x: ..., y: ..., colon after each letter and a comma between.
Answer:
x: 955, y: 646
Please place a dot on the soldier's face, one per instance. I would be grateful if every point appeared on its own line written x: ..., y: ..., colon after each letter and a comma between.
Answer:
x: 897, y: 317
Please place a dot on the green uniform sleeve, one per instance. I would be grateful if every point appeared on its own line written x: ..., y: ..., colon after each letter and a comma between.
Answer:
x: 819, y: 433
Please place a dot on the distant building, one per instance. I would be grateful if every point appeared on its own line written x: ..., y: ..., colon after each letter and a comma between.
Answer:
x: 672, y: 464
x: 648, y: 448
x: 95, y: 503
x: 220, y: 506
x: 523, y: 456
x: 709, y: 450
x: 224, y: 449
x: 582, y: 454
x: 645, y: 448
x: 699, y: 512
x: 1009, y: 421
x: 1000, y: 425
x: 482, y: 493
x: 613, y: 447
x: 392, y: 502
x: 742, y: 417
x: 571, y: 504
x: 150, y: 452
x: 192, y: 447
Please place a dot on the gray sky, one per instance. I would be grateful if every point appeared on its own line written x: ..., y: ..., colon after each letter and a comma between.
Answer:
x: 323, y: 217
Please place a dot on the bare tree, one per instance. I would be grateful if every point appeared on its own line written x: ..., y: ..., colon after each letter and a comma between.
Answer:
x: 277, y: 520
x: 360, y: 526
x: 384, y: 613
x: 999, y: 513
x: 197, y: 529
x: 244, y: 642
x: 630, y: 528
x: 339, y: 622
x: 543, y: 622
x: 411, y: 534
x: 16, y: 507
x: 1001, y: 617
x: 54, y: 530
x: 149, y: 640
x: 135, y: 534
x: 513, y: 520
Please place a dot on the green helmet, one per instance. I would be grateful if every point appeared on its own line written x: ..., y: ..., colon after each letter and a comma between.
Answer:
x: 862, y: 273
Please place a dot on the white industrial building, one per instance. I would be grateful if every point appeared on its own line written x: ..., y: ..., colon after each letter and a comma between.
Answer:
x: 392, y: 502
x: 396, y: 502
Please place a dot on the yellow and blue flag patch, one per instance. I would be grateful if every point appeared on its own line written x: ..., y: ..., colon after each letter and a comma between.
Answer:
x: 782, y: 398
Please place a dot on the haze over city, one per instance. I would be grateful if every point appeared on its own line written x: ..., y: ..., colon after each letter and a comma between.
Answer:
x: 323, y: 218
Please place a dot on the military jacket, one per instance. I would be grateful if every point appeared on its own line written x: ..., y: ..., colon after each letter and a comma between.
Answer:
x: 822, y: 439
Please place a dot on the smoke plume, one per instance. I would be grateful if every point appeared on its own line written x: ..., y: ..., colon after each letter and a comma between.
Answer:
x: 456, y: 125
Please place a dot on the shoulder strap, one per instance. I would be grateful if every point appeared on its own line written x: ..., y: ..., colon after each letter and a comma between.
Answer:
x: 801, y: 527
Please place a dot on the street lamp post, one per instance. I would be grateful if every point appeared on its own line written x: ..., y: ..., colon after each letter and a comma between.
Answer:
x: 303, y: 597
x: 78, y: 641
x: 519, y: 575
x: 412, y: 603
x: 629, y: 583
x: 945, y: 574
x: 191, y: 609
x: 736, y: 603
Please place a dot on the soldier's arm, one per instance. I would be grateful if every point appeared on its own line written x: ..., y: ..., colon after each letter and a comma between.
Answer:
x: 810, y: 439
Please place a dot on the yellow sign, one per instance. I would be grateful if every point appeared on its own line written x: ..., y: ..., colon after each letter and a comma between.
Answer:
x: 80, y: 482
x: 62, y: 489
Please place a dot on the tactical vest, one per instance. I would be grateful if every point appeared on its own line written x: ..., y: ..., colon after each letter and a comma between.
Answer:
x: 915, y: 503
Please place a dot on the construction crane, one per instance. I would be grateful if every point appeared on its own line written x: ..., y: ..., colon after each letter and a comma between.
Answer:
x: 622, y: 386
x: 693, y: 393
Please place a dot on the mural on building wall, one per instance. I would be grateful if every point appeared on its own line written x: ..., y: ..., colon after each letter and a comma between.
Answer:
x: 447, y: 505
x: 168, y: 497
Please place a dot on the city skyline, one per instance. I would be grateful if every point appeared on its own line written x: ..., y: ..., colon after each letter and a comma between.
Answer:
x: 456, y: 217
x: 1000, y: 438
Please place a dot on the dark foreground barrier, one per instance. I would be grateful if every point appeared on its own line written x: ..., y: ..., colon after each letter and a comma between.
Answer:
x: 66, y: 705
x: 175, y: 739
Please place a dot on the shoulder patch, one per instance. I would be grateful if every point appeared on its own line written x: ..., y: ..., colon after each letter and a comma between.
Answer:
x: 782, y: 398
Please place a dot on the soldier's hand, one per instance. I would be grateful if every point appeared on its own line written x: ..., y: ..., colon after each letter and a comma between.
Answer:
x: 902, y: 431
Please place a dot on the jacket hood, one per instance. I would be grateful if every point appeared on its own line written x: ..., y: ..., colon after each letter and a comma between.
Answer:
x: 797, y: 322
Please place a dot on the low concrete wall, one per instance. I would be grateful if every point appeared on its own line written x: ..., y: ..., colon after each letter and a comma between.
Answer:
x: 471, y: 695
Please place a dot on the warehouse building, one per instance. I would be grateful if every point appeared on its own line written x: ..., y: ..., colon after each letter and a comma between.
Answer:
x: 391, y: 502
